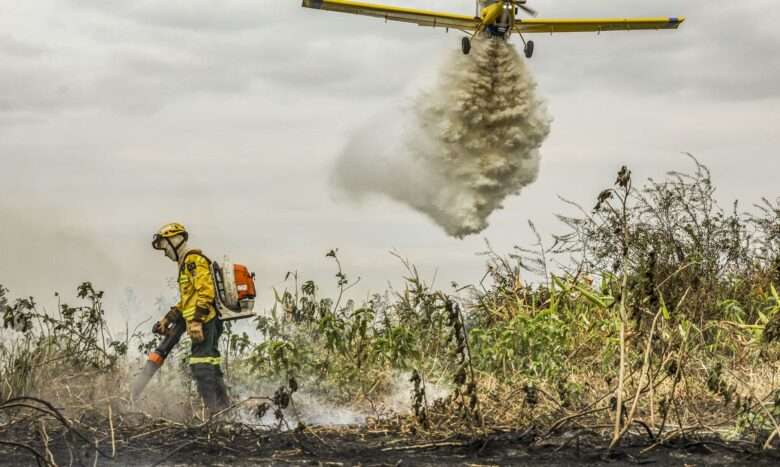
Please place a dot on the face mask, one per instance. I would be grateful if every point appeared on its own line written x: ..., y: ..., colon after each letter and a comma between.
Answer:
x: 169, y: 251
x: 171, y: 247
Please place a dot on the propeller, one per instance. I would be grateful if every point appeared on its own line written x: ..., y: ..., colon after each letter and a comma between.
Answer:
x: 528, y: 10
x: 518, y: 3
x: 521, y: 4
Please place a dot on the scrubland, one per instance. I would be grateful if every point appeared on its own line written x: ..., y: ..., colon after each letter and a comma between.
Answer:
x: 652, y: 325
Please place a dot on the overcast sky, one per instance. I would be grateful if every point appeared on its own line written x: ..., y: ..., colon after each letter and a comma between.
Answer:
x: 227, y: 115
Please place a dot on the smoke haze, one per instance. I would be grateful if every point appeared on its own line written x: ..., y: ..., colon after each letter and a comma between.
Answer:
x: 474, y: 140
x: 44, y: 245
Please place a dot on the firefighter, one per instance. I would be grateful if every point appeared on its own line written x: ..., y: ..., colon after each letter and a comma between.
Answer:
x: 196, y: 307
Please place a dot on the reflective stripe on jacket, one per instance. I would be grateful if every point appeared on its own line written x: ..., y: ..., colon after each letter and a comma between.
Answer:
x: 196, y: 286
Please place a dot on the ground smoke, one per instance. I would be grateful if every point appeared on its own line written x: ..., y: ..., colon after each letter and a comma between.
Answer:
x: 313, y: 407
x: 474, y: 141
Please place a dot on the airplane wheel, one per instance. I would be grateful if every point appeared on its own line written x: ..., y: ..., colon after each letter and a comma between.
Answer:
x: 529, y: 49
x: 465, y: 45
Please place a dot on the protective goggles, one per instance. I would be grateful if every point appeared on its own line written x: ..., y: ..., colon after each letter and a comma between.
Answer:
x: 157, y: 241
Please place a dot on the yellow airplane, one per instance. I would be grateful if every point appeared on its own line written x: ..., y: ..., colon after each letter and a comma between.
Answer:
x: 497, y: 18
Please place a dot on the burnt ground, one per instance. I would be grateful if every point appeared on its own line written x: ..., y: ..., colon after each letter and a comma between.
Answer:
x: 240, y: 445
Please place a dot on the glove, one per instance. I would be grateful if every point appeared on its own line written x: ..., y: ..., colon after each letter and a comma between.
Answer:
x: 195, y: 331
x: 161, y: 327
x: 201, y: 313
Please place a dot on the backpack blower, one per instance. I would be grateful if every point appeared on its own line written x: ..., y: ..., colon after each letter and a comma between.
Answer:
x: 234, y: 299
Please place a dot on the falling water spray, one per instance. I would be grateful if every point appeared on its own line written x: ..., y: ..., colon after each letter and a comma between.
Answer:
x: 473, y: 141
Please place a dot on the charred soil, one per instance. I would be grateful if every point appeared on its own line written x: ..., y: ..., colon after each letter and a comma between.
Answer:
x: 164, y: 444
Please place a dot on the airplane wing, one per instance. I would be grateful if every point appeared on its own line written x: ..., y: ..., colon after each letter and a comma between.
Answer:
x: 393, y: 13
x: 594, y: 24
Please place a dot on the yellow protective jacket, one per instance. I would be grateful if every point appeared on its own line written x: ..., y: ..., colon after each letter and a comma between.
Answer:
x: 196, y: 286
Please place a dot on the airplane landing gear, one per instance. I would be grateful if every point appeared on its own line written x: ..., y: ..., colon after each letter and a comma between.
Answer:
x: 465, y: 45
x: 529, y: 49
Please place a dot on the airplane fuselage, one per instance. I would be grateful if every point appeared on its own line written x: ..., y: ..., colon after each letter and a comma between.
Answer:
x: 497, y: 17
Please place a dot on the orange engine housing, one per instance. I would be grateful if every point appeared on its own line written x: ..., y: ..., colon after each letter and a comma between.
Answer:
x: 245, y: 283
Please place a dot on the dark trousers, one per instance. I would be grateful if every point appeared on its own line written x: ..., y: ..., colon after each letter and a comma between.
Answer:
x: 205, y: 365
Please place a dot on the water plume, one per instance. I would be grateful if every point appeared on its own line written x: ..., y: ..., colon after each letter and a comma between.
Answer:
x: 473, y: 140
